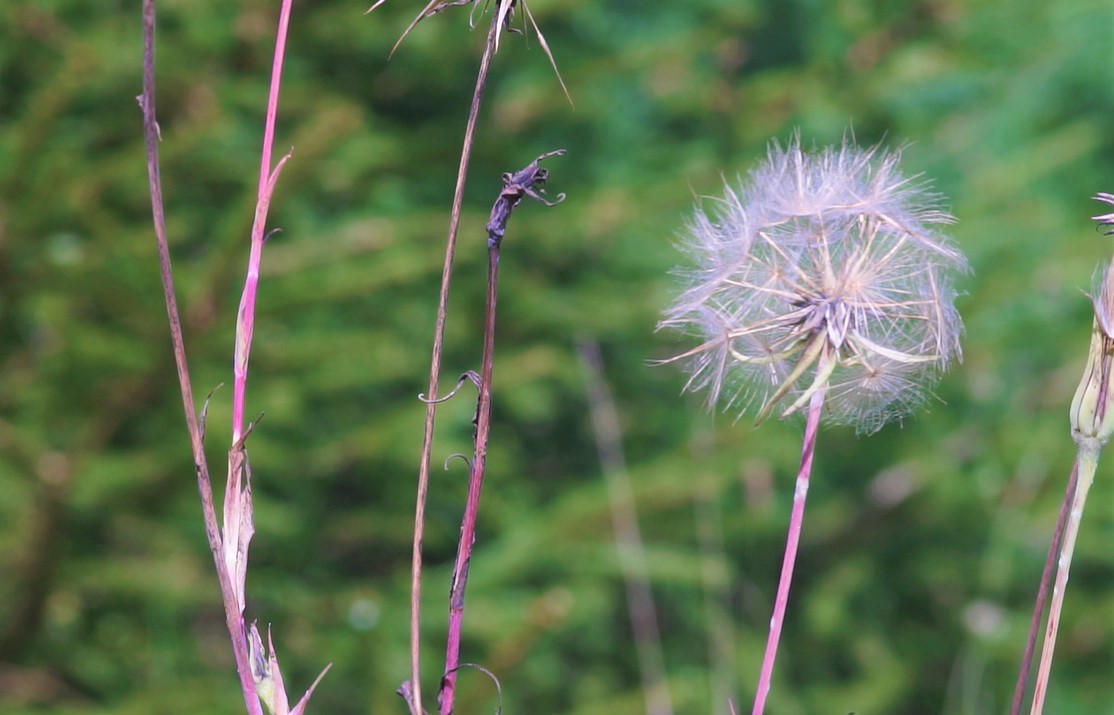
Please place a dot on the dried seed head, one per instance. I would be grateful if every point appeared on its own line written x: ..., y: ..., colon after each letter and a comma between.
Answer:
x: 822, y: 268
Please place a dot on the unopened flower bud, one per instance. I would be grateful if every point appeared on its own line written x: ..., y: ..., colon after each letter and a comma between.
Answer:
x: 1092, y: 410
x: 261, y: 671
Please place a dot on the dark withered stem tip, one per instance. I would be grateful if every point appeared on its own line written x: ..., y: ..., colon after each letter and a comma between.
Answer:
x: 529, y: 181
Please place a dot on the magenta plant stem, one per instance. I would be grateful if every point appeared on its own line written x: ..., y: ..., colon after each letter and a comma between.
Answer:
x: 245, y: 323
x: 796, y: 520
x: 414, y: 692
x: 475, y: 487
x: 527, y: 182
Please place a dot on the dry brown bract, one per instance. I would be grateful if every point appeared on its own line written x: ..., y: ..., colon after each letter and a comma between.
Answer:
x: 505, y: 18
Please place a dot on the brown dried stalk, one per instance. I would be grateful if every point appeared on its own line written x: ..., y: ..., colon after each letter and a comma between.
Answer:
x: 411, y: 689
x: 260, y: 676
x: 525, y: 183
x: 233, y: 618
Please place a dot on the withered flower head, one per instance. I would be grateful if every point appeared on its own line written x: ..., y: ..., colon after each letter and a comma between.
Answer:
x: 821, y: 271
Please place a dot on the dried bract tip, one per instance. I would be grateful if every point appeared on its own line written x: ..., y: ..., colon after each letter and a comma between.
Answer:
x: 1092, y: 422
x: 821, y: 270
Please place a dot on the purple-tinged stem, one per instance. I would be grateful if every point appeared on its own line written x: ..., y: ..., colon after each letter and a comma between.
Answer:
x: 527, y: 182
x: 237, y: 494
x: 245, y: 323
x: 1086, y: 463
x: 1042, y: 594
x: 796, y: 520
x: 414, y: 689
x: 475, y: 487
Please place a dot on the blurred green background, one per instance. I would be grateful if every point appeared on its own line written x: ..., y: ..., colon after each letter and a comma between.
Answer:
x: 923, y: 544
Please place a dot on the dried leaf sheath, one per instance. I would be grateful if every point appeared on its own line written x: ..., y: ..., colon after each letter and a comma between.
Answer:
x: 504, y: 21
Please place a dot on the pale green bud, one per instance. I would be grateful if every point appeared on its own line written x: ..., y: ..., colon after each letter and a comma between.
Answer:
x: 1092, y: 410
x: 261, y: 670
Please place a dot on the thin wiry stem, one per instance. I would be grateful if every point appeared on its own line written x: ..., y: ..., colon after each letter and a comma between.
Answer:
x: 411, y: 690
x: 233, y: 617
x: 504, y: 15
x: 1042, y: 594
x: 475, y: 488
x: 527, y: 182
x: 628, y: 538
x: 415, y: 689
x: 1092, y: 425
x: 720, y: 626
x: 268, y: 177
x: 796, y: 520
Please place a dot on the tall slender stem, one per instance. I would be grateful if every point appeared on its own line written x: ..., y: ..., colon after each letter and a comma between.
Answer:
x: 1087, y: 462
x: 633, y: 562
x: 475, y: 488
x: 415, y: 689
x: 233, y: 618
x: 796, y: 520
x: 1042, y: 594
x: 527, y: 182
x: 268, y: 175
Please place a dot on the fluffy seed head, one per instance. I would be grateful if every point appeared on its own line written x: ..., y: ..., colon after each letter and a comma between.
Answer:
x: 821, y: 269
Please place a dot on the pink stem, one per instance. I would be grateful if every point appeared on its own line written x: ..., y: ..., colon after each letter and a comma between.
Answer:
x: 800, y: 493
x: 414, y: 691
x: 245, y: 324
x: 447, y: 695
x: 233, y: 616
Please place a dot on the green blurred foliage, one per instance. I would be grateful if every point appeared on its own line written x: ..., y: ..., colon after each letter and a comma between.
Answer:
x: 923, y: 544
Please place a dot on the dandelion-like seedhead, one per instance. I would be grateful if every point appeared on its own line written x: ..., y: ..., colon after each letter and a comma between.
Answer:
x: 821, y: 271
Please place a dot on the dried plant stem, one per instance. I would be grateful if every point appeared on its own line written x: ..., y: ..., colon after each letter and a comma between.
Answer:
x: 414, y: 686
x: 1086, y: 464
x: 233, y: 618
x: 1042, y: 595
x: 230, y: 548
x: 796, y: 520
x: 475, y: 488
x: 516, y: 186
x: 628, y: 538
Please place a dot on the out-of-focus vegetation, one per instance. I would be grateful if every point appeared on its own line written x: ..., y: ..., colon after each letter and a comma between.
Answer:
x: 923, y: 544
